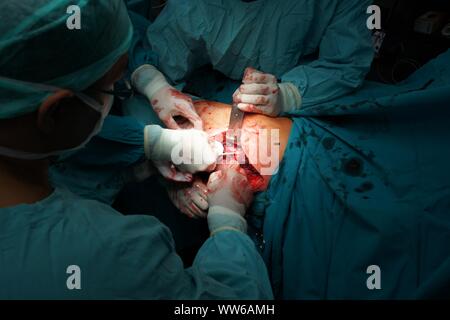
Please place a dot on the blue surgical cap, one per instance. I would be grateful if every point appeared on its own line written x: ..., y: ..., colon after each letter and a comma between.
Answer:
x: 37, y: 46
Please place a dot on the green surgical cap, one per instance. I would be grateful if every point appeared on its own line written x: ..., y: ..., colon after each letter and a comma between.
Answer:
x: 37, y: 46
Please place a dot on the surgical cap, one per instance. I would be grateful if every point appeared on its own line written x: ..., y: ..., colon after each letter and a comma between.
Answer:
x: 37, y: 46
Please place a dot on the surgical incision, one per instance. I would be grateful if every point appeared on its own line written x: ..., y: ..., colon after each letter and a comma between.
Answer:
x: 261, y: 141
x: 233, y: 153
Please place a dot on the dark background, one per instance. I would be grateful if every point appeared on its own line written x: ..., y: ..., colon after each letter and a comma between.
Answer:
x: 404, y: 50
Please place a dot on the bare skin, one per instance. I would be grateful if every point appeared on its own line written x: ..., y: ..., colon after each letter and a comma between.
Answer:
x: 215, y: 117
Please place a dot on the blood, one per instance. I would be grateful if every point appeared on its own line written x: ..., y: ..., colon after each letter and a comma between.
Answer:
x: 248, y: 73
x: 252, y: 108
x: 193, y: 207
x: 255, y: 179
x: 179, y: 95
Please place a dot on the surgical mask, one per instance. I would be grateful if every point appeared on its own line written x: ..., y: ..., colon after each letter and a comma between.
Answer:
x: 94, y: 104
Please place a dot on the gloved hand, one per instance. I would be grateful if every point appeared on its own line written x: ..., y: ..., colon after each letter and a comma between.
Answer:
x: 167, y: 102
x: 190, y: 199
x: 229, y: 196
x: 260, y: 93
x: 177, y: 154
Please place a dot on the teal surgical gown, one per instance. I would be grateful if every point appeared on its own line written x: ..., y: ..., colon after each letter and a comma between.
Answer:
x: 119, y: 257
x: 277, y: 37
x: 364, y: 182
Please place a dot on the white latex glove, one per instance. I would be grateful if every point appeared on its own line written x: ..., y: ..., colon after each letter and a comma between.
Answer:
x: 190, y: 199
x: 177, y: 154
x: 260, y: 93
x: 167, y: 101
x: 229, y: 196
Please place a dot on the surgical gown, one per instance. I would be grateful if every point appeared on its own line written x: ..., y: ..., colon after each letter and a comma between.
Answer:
x: 119, y: 257
x: 277, y: 37
x: 364, y: 183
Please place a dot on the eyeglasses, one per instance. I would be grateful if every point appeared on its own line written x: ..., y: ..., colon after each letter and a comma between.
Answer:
x: 121, y: 91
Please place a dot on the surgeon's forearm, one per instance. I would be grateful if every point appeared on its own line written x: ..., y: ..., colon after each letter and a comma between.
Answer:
x: 290, y: 97
x: 148, y: 80
x: 318, y: 85
x: 223, y: 219
x: 231, y: 259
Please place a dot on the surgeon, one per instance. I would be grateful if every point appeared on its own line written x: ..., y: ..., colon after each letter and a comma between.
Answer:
x: 55, y: 91
x: 280, y: 55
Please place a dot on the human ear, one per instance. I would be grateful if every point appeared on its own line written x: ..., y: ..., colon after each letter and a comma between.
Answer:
x: 48, y: 108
